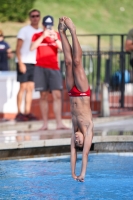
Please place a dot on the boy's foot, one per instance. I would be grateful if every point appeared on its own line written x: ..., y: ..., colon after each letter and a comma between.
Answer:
x: 68, y: 22
x: 61, y: 26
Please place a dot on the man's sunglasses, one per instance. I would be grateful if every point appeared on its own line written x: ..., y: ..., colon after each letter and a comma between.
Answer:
x: 33, y: 16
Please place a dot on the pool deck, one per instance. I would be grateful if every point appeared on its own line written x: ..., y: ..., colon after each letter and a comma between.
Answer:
x: 23, y: 139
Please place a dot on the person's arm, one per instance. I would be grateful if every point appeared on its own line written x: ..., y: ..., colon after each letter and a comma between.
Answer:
x: 86, y: 149
x: 58, y: 42
x: 55, y: 37
x: 22, y: 66
x: 8, y: 50
x: 9, y: 53
x: 59, y: 45
x: 73, y: 157
x: 37, y: 42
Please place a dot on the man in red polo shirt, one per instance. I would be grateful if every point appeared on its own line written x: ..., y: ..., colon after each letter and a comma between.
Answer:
x: 47, y: 72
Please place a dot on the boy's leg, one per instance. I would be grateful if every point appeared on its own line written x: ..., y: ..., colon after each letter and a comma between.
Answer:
x: 67, y: 55
x: 80, y: 78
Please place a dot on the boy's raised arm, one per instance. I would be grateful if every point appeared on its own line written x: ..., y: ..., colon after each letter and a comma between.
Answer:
x: 73, y: 157
x: 87, y: 145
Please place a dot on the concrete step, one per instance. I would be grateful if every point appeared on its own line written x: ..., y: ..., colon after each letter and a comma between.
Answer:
x: 30, y: 125
x: 14, y: 145
x: 36, y: 125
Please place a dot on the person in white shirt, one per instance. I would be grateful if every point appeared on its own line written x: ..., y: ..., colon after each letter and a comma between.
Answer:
x: 25, y: 60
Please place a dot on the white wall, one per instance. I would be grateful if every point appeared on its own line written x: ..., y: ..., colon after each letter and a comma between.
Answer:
x: 8, y: 92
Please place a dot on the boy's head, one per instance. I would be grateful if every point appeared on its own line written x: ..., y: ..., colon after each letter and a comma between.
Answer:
x: 79, y: 140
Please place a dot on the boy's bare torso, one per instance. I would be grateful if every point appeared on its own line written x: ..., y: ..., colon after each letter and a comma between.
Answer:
x: 81, y: 113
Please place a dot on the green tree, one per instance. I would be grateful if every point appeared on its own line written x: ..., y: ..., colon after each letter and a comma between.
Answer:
x: 15, y: 10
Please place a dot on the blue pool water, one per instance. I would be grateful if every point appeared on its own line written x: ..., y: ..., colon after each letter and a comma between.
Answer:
x: 109, y: 177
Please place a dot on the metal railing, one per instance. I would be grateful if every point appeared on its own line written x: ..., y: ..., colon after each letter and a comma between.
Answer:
x: 108, y: 64
x: 115, y: 71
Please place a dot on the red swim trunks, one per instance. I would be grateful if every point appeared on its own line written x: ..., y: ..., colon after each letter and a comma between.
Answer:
x: 74, y: 92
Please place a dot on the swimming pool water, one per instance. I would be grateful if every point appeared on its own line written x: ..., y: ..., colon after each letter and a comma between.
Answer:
x: 109, y: 177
